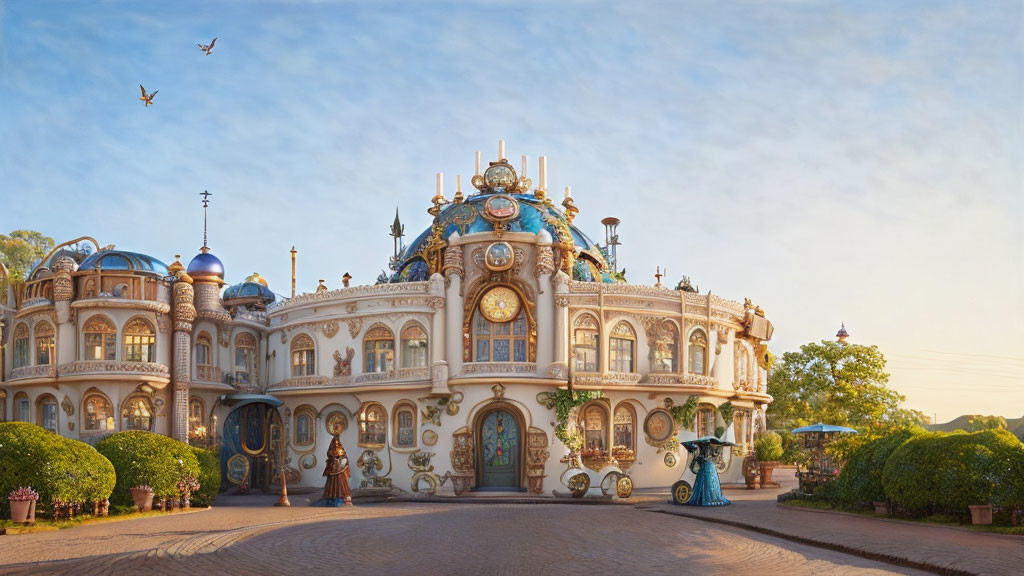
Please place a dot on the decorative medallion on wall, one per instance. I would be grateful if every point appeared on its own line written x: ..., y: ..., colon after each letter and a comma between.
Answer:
x: 336, y: 423
x: 659, y: 426
x: 307, y: 461
x: 500, y: 209
x: 238, y: 469
x: 429, y: 437
x: 500, y: 304
x: 670, y: 459
x: 499, y: 257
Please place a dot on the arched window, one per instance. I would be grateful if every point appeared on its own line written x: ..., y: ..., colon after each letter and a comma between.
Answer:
x: 705, y: 420
x: 621, y: 346
x: 137, y: 413
x: 404, y: 418
x: 22, y: 355
x: 595, y: 430
x: 414, y: 347
x: 203, y: 346
x: 499, y: 341
x: 305, y: 429
x: 22, y: 408
x: 46, y: 417
x: 197, y: 418
x: 379, y: 350
x: 624, y: 432
x: 139, y: 341
x: 664, y: 348
x: 585, y: 339
x: 698, y: 352
x: 373, y: 425
x: 45, y: 339
x: 245, y: 358
x: 97, y: 413
x: 100, y: 337
x: 303, y: 356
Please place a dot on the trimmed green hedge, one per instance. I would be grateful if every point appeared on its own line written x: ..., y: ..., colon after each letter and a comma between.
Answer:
x: 209, y: 477
x: 146, y: 458
x: 60, y: 469
x: 860, y: 482
x: 945, y: 473
x: 768, y: 447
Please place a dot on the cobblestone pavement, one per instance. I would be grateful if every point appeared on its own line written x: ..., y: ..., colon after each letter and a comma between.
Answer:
x: 411, y: 538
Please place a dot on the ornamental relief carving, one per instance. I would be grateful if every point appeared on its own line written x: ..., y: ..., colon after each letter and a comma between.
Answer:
x: 93, y: 366
x: 453, y: 262
x: 545, y: 261
x: 473, y: 368
x: 353, y: 292
x: 354, y: 326
x: 562, y: 300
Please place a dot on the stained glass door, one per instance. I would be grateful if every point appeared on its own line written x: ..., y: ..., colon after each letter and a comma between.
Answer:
x: 499, y: 447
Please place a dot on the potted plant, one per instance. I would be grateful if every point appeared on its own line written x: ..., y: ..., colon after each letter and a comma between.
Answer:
x: 751, y: 472
x: 142, y: 497
x: 23, y: 504
x: 186, y: 486
x: 768, y: 449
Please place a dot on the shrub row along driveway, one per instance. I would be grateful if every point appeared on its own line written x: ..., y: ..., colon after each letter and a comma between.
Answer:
x: 418, y: 538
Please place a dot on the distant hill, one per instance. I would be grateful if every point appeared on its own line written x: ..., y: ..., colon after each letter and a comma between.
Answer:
x: 1015, y: 425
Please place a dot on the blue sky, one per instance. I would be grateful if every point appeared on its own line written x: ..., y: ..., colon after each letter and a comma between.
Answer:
x: 853, y: 162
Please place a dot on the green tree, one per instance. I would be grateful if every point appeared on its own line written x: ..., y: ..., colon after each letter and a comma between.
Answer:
x: 979, y: 423
x: 836, y: 383
x: 18, y: 252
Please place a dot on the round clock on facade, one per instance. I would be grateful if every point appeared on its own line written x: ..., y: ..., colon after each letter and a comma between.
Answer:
x: 500, y: 304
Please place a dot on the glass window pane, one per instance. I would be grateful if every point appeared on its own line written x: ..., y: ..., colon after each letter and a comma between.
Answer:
x: 483, y: 351
x: 520, y: 351
x: 481, y: 325
x: 519, y: 327
x: 503, y: 329
x: 501, y: 350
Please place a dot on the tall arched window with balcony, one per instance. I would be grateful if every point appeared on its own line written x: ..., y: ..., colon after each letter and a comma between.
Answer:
x: 245, y: 358
x: 595, y: 430
x: 137, y: 413
x: 665, y: 348
x: 373, y: 425
x: 585, y: 339
x: 139, y: 341
x: 698, y: 350
x: 45, y: 343
x: 624, y: 432
x: 100, y: 337
x: 500, y: 341
x: 22, y: 408
x: 414, y: 346
x: 97, y: 413
x: 22, y: 355
x: 47, y: 412
x: 303, y: 356
x: 203, y: 347
x: 379, y: 350
x: 621, y: 348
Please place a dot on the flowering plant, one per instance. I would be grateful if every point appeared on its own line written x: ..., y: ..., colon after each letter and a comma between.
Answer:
x: 22, y: 494
x: 142, y: 487
x: 188, y: 485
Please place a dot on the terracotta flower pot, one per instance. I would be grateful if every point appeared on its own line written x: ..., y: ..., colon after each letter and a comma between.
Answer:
x: 23, y: 511
x: 766, y: 472
x: 143, y: 499
x: 981, y: 513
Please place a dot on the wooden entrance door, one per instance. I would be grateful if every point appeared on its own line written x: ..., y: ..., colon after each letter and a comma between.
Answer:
x: 500, y: 442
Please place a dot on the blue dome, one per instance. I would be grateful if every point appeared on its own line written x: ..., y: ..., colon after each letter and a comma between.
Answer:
x: 534, y: 216
x: 206, y: 266
x: 247, y: 291
x: 121, y: 260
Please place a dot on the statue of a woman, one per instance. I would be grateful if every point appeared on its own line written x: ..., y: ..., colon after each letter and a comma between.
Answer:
x: 336, y: 491
x: 707, y: 489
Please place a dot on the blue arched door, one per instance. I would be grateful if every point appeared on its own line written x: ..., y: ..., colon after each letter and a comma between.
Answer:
x: 500, y: 442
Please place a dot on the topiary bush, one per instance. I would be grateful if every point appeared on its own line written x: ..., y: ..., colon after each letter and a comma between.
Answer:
x: 860, y: 482
x: 768, y: 447
x: 141, y: 457
x: 65, y: 472
x: 209, y: 477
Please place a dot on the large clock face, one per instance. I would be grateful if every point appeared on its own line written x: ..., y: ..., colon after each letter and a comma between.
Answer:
x: 500, y: 304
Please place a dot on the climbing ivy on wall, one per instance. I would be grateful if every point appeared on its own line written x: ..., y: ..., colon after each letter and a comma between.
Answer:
x: 726, y: 411
x: 685, y: 414
x: 563, y: 401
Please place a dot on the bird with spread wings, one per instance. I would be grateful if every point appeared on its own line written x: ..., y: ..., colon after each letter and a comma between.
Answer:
x: 207, y: 47
x: 147, y: 98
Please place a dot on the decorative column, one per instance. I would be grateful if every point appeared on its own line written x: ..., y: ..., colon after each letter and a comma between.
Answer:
x: 453, y: 274
x: 184, y: 316
x: 561, y: 286
x: 722, y: 364
x: 545, y: 304
x: 438, y: 365
x: 63, y: 294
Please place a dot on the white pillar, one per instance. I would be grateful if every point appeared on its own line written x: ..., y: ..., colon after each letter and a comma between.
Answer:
x: 561, y: 286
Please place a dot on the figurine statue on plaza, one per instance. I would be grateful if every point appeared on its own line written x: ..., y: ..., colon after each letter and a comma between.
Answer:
x: 707, y: 488
x: 336, y: 491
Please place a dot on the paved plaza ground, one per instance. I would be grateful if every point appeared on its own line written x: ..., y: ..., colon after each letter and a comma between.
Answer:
x: 246, y: 535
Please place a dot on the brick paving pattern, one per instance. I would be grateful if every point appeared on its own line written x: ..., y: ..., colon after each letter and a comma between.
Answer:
x: 410, y: 538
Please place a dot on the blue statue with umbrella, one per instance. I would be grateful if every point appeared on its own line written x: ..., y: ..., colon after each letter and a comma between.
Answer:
x: 707, y: 489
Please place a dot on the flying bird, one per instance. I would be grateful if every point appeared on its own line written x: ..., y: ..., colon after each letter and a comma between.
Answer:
x: 147, y: 98
x: 207, y: 47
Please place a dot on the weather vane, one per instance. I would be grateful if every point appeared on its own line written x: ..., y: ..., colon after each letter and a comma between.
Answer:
x: 206, y: 204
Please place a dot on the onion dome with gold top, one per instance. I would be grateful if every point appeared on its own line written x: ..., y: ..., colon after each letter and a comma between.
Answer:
x: 206, y: 267
x: 254, y: 291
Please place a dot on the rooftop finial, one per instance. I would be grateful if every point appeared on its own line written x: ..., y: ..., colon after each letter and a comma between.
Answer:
x: 842, y: 335
x: 397, y: 232
x: 206, y: 204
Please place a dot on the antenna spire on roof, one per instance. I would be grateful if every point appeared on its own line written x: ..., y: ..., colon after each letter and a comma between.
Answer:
x: 206, y: 204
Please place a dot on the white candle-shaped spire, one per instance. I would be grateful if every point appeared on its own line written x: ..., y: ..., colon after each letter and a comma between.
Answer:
x: 477, y: 163
x: 458, y: 183
x: 440, y: 185
x: 542, y: 166
x: 501, y: 150
x: 522, y: 173
x: 568, y: 192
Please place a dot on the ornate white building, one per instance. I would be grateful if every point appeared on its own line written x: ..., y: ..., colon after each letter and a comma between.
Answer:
x: 496, y: 305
